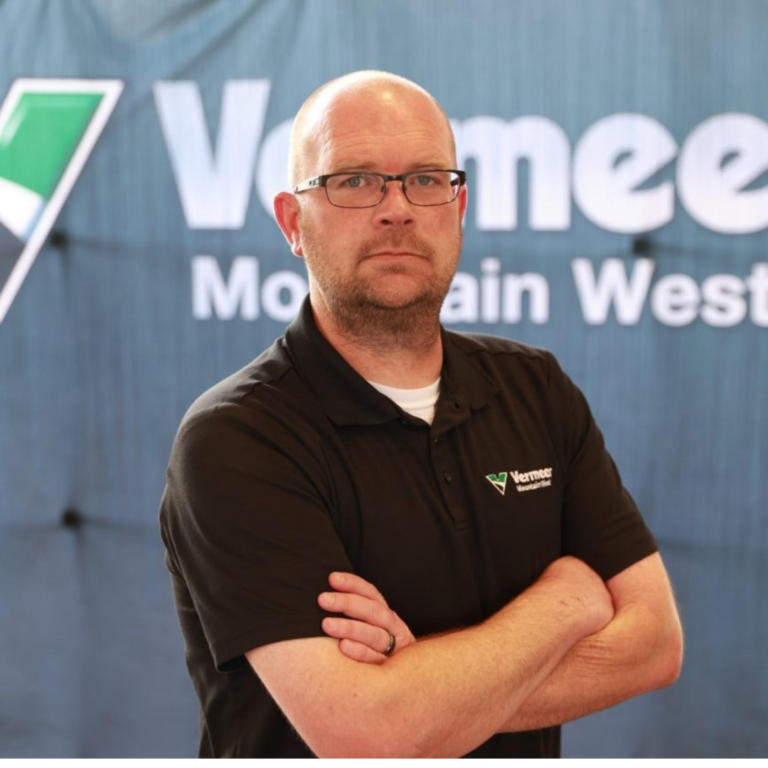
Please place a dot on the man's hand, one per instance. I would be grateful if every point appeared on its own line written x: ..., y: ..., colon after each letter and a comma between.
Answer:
x: 365, y: 634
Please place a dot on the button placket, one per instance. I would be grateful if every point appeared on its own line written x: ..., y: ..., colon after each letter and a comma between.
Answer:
x: 445, y: 470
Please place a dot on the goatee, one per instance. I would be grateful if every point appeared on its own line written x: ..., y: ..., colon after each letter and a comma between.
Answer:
x: 368, y: 315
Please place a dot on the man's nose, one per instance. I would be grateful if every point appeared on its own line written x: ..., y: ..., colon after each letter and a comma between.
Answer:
x: 394, y: 208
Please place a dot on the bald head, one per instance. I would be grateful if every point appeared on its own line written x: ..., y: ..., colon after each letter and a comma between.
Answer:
x: 366, y: 94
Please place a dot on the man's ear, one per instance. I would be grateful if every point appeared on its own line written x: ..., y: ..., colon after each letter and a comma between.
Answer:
x: 287, y: 215
x: 463, y: 198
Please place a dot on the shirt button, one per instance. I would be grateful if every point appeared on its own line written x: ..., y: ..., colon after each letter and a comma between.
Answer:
x: 447, y: 476
x: 437, y: 440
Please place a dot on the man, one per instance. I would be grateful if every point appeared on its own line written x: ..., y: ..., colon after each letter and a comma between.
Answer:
x: 393, y: 539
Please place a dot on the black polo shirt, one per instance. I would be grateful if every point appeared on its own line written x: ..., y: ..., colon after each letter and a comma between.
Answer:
x: 295, y: 467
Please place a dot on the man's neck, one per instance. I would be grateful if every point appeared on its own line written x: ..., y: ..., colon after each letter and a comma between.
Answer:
x: 407, y: 360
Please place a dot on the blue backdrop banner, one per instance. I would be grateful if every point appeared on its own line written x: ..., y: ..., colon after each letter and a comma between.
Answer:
x: 617, y: 156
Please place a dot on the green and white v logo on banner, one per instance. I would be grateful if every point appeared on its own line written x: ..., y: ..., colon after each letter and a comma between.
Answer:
x: 48, y: 129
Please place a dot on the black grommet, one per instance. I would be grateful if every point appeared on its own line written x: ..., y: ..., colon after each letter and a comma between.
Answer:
x: 58, y: 239
x: 642, y: 246
x: 71, y: 518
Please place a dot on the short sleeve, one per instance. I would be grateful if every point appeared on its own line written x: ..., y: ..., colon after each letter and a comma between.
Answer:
x: 246, y: 523
x: 601, y: 522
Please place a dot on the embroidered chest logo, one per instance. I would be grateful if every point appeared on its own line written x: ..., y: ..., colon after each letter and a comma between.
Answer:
x: 524, y: 481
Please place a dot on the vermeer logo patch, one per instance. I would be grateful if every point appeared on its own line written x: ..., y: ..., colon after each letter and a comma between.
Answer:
x: 48, y: 129
x: 499, y: 482
x: 524, y: 481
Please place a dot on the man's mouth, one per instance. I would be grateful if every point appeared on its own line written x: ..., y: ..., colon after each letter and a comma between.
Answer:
x: 397, y: 253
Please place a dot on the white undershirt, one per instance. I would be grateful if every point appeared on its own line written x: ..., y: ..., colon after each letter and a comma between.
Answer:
x: 418, y: 402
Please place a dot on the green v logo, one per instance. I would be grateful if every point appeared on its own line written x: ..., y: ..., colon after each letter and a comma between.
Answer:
x: 499, y: 482
x: 48, y: 129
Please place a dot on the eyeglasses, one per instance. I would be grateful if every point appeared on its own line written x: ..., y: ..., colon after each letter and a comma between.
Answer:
x: 431, y: 186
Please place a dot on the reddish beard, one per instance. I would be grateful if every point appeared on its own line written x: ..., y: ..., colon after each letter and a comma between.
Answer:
x: 368, y: 314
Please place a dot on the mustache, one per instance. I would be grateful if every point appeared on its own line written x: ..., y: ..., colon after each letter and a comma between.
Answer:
x: 397, y: 241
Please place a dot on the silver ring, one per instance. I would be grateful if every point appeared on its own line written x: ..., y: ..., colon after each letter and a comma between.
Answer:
x: 390, y: 649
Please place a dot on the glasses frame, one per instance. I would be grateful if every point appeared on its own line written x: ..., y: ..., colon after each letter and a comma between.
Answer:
x: 322, y: 181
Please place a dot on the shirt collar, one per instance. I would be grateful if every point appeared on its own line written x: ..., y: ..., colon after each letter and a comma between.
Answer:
x: 345, y: 395
x: 465, y: 384
x: 348, y: 398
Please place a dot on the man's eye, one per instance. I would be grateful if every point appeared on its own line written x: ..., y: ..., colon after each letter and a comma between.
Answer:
x: 355, y: 182
x: 424, y: 180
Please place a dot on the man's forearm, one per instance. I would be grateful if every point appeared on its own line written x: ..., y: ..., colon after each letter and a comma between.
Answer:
x: 598, y: 672
x: 500, y: 664
x: 638, y: 651
x: 443, y: 696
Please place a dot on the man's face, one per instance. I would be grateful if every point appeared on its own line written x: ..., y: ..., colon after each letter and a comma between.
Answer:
x: 396, y: 255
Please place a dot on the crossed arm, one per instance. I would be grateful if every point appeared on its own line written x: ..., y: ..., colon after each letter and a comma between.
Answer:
x: 577, y: 647
x: 640, y: 650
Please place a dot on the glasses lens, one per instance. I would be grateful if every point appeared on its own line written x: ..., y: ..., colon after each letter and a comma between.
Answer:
x: 432, y: 187
x: 354, y: 190
x: 365, y: 190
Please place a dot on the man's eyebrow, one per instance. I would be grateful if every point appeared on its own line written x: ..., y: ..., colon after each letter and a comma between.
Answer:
x: 371, y: 167
x: 353, y: 167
